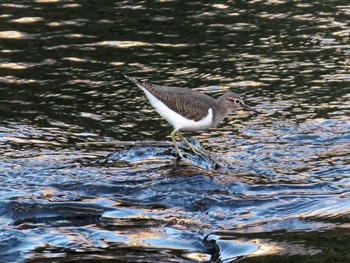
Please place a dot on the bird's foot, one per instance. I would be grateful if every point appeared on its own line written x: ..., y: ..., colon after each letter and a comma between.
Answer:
x: 179, y: 153
x: 212, y: 156
x: 198, y: 151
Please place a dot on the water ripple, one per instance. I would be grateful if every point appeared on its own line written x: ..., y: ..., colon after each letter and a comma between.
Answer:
x: 87, y: 167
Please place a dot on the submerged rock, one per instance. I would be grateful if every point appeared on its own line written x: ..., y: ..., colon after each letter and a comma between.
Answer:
x: 161, y: 150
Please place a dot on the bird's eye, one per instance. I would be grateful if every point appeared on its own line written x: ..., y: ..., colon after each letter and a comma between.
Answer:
x: 237, y: 101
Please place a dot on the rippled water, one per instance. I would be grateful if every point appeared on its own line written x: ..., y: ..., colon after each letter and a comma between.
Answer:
x: 87, y: 169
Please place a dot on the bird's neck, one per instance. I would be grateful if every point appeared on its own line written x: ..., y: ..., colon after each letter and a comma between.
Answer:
x: 221, y: 111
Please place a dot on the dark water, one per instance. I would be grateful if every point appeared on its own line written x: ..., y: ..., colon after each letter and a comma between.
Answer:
x: 65, y: 106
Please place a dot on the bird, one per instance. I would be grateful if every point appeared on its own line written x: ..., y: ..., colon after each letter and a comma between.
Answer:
x: 189, y: 110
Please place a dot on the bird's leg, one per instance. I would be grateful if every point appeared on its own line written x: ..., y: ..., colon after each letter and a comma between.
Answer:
x: 217, y: 159
x: 177, y: 150
x: 191, y: 146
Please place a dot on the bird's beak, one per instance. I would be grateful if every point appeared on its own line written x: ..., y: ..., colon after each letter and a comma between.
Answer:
x: 245, y: 106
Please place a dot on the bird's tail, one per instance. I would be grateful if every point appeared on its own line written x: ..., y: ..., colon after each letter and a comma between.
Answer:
x: 138, y: 83
x: 130, y: 78
x: 141, y: 85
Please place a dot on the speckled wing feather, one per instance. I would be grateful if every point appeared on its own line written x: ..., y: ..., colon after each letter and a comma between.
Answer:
x: 191, y: 104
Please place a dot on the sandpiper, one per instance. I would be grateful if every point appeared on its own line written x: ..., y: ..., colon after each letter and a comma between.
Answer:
x: 189, y: 110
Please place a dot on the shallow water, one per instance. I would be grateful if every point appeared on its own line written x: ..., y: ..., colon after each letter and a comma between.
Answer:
x: 87, y: 168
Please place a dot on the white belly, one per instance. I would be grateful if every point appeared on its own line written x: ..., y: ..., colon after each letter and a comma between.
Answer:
x: 176, y: 120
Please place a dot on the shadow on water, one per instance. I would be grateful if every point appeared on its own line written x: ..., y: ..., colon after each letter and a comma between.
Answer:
x: 80, y: 178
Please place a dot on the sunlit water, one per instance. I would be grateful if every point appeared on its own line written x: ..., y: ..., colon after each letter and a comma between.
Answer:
x: 87, y: 168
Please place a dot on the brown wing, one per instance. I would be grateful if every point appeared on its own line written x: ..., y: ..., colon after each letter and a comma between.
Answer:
x: 188, y: 103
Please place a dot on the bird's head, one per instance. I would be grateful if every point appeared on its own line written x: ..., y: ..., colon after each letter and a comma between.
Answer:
x: 233, y: 101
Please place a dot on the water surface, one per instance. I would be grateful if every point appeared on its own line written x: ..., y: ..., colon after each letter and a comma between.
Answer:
x: 87, y: 168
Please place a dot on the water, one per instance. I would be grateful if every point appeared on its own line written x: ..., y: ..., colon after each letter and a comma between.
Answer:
x: 86, y: 167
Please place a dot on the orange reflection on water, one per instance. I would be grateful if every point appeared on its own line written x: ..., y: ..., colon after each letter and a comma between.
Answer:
x: 27, y: 20
x: 265, y: 248
x: 14, y: 35
x: 12, y: 79
x: 16, y: 65
x: 46, y: 1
